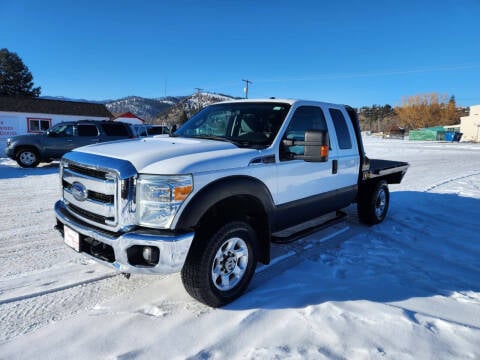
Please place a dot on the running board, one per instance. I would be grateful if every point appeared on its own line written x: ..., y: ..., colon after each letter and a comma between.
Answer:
x: 295, y: 232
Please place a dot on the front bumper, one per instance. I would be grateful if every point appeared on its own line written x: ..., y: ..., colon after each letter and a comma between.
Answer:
x: 9, y: 152
x: 173, y: 248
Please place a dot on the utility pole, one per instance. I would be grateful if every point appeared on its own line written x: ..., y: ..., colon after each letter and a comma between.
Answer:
x: 246, y: 87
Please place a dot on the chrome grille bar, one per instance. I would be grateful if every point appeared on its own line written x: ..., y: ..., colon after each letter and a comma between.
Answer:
x: 107, y: 187
x: 107, y: 190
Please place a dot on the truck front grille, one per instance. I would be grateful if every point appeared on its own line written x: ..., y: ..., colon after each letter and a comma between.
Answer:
x: 91, y: 216
x: 99, y: 174
x: 93, y: 195
x: 99, y: 195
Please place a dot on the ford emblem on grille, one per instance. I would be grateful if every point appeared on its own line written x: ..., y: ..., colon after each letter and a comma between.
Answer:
x: 79, y: 191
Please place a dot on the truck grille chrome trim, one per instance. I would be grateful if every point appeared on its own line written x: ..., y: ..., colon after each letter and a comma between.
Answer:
x: 94, y: 173
x: 89, y: 215
x: 109, y: 202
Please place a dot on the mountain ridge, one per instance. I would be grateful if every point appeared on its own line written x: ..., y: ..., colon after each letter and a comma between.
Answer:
x: 168, y: 109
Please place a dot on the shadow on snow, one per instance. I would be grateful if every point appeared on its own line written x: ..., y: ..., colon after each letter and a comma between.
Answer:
x: 428, y: 245
x: 14, y: 171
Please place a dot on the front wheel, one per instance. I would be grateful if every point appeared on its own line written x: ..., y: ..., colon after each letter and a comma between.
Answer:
x: 373, y: 202
x: 27, y: 158
x: 219, y: 268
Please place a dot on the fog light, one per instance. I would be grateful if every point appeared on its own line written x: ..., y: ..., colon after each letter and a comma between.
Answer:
x: 143, y: 255
x: 147, y: 253
x: 150, y: 254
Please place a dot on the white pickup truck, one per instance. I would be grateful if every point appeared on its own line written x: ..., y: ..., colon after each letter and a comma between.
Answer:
x: 209, y: 200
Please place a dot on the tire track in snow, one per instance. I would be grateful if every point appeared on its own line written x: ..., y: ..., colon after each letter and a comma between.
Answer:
x: 22, y: 317
x: 433, y: 187
x: 57, y: 289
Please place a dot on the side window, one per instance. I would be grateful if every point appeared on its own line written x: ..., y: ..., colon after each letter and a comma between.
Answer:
x: 115, y: 129
x: 305, y: 118
x: 62, y: 130
x: 341, y: 128
x: 87, y: 130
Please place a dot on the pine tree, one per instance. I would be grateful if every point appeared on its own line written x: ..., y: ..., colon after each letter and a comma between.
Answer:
x: 15, y: 77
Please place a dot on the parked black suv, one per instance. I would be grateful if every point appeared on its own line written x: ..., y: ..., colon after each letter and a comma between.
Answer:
x: 30, y: 150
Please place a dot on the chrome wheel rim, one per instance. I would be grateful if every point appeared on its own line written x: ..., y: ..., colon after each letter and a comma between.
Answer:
x: 230, y: 264
x: 27, y: 157
x: 380, y: 203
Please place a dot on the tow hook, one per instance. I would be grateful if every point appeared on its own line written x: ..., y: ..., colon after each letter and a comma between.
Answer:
x: 126, y: 275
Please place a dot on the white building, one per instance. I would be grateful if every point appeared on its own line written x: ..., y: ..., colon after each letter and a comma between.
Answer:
x: 470, y: 125
x: 19, y: 116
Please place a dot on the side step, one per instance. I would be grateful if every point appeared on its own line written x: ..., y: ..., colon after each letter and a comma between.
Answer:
x: 298, y: 231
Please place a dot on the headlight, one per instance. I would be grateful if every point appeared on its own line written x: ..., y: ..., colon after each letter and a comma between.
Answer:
x: 159, y: 198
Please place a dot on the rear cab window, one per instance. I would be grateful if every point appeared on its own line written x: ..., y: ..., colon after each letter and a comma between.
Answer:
x: 341, y: 128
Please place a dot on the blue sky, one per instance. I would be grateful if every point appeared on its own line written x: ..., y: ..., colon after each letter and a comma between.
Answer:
x: 354, y: 52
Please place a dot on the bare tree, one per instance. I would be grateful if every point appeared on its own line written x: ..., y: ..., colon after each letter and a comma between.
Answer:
x: 426, y: 110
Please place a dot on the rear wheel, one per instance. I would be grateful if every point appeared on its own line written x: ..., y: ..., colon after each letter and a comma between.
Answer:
x: 27, y: 157
x: 219, y: 268
x: 373, y: 203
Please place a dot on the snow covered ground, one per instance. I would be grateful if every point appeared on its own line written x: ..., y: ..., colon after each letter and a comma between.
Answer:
x: 408, y: 288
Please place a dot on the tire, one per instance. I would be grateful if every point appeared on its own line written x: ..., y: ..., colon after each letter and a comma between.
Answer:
x: 219, y: 268
x: 373, y: 202
x: 27, y: 158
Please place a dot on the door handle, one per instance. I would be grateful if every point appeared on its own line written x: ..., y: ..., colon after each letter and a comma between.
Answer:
x: 334, y: 166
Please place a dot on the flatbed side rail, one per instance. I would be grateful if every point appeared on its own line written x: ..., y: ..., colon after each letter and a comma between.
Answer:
x: 392, y: 171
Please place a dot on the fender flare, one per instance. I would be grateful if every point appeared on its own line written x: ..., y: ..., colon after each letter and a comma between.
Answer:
x: 224, y: 189
x: 220, y: 190
x: 33, y: 145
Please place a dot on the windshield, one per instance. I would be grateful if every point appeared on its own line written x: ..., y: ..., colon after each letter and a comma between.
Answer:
x: 244, y: 124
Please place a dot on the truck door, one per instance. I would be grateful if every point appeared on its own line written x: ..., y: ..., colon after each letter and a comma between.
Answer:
x: 305, y: 190
x: 64, y: 138
x: 87, y: 134
x: 347, y: 157
x: 60, y: 140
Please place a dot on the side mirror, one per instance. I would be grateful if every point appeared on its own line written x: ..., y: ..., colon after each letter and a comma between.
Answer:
x: 317, y: 145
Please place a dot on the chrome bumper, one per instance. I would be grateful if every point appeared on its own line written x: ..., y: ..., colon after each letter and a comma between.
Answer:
x: 173, y: 247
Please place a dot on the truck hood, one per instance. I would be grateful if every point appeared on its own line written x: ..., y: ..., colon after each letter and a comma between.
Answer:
x: 27, y: 138
x: 175, y: 155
